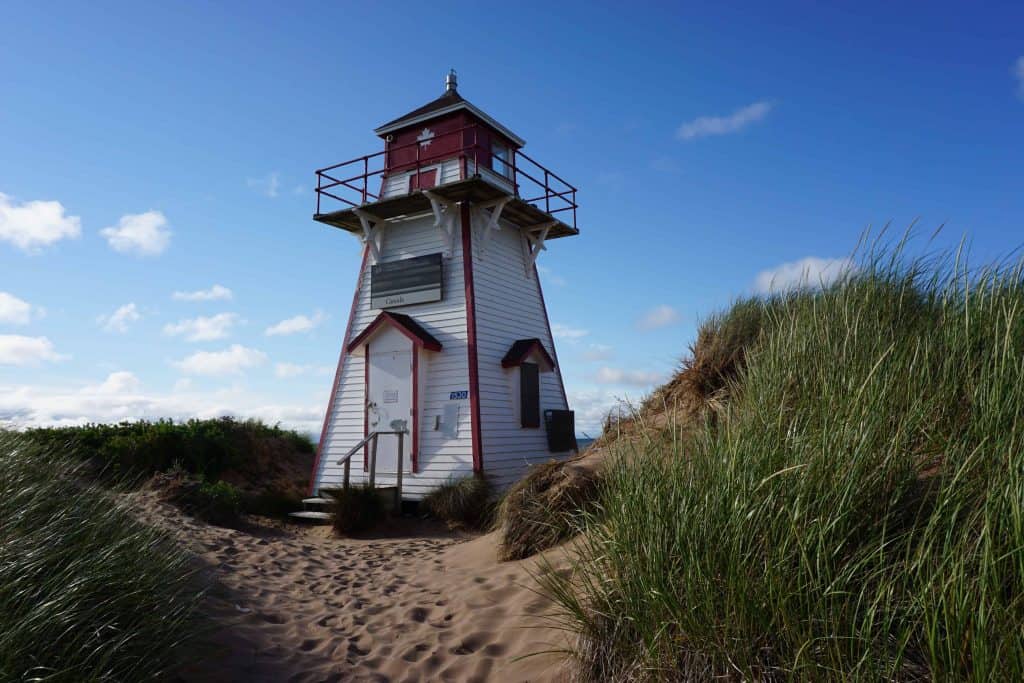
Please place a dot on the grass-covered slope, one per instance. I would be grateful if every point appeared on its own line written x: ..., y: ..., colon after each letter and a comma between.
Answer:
x: 86, y: 592
x: 852, y: 506
x: 268, y: 465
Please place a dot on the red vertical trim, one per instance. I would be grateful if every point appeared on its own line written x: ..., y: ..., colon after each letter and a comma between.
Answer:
x: 337, y: 375
x: 415, y: 409
x: 554, y: 351
x: 366, y: 405
x: 474, y: 379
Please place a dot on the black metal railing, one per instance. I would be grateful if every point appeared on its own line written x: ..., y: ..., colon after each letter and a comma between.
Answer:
x: 351, y: 183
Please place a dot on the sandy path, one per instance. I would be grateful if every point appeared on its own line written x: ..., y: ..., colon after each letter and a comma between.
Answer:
x: 295, y: 604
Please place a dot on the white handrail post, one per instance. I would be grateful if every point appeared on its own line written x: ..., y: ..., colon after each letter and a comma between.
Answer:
x: 398, y: 477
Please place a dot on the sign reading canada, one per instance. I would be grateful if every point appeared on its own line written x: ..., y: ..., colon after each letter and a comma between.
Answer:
x: 409, y: 281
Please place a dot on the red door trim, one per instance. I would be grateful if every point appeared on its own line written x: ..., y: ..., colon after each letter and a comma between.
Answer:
x: 414, y: 454
x: 329, y: 413
x: 474, y: 379
x: 366, y: 405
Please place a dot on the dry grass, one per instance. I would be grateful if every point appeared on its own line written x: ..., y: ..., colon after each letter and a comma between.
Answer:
x: 545, y: 508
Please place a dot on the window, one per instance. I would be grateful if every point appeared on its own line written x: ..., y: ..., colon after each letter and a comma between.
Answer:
x: 500, y: 161
x: 529, y: 395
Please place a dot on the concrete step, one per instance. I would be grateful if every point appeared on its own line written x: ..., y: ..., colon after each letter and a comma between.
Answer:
x: 317, y: 501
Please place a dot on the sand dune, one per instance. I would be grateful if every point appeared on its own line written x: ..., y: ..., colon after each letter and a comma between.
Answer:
x: 295, y: 604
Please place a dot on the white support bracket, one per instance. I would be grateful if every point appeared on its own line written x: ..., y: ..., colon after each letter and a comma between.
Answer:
x: 533, y: 243
x: 445, y: 214
x: 496, y: 206
x: 373, y: 236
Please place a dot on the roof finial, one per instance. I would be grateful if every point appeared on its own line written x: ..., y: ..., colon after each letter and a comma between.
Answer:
x: 451, y: 81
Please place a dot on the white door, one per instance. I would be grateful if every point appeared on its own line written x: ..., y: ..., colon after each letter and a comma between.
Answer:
x: 389, y: 406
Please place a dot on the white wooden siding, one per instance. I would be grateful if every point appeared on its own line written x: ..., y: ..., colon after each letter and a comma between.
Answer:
x: 508, y: 307
x: 440, y: 457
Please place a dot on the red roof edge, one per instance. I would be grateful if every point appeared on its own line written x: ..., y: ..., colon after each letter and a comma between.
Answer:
x: 404, y: 324
x: 522, y: 348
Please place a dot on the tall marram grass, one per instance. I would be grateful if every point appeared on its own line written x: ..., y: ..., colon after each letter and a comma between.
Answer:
x: 854, y: 512
x: 86, y: 592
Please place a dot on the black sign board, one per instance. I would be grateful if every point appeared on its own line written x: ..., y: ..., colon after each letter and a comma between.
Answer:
x: 409, y: 281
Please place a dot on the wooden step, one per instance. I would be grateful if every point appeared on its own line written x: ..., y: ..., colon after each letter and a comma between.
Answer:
x: 313, y: 516
x: 317, y: 501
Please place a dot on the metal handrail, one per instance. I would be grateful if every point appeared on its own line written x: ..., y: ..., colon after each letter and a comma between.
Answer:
x: 545, y: 185
x: 371, y: 439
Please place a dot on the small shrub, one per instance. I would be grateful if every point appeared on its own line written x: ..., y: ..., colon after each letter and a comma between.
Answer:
x: 271, y: 503
x: 356, y: 509
x: 462, y: 503
x: 216, y: 502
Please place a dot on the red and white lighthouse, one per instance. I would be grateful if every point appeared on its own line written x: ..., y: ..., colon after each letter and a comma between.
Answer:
x: 448, y: 344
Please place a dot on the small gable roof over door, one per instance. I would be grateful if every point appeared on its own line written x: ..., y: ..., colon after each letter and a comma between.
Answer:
x: 401, y: 322
x: 522, y: 349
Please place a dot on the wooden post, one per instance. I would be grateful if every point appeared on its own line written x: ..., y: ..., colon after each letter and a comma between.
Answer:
x: 373, y: 461
x: 398, y: 476
x: 348, y: 468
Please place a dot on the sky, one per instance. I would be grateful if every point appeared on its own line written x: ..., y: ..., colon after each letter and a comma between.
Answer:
x: 157, y: 252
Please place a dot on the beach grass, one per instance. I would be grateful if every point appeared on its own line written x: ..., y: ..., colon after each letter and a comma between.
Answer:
x: 463, y: 503
x: 87, y: 593
x: 853, y: 511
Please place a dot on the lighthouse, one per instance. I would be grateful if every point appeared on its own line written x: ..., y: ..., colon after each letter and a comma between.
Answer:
x: 448, y: 365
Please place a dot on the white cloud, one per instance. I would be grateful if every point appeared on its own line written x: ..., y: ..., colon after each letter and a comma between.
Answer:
x: 14, y: 311
x: 269, y: 185
x: 704, y: 126
x: 592, y: 406
x: 19, y: 350
x: 230, y: 361
x: 597, y: 352
x: 119, y: 397
x: 119, y: 320
x: 144, y: 234
x: 551, y: 277
x: 299, y: 323
x: 289, y: 370
x: 1018, y: 72
x: 121, y: 382
x: 35, y: 224
x: 215, y: 293
x: 659, y: 316
x: 807, y: 272
x: 561, y: 331
x: 203, y: 328
x: 633, y: 378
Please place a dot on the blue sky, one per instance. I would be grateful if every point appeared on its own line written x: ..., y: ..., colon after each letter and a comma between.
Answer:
x: 151, y: 149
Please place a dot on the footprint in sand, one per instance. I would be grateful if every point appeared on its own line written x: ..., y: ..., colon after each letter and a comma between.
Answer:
x: 472, y: 643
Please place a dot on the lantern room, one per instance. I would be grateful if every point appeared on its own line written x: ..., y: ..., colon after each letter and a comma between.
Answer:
x: 446, y: 151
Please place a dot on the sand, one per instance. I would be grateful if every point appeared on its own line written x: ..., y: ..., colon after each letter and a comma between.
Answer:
x: 415, y: 603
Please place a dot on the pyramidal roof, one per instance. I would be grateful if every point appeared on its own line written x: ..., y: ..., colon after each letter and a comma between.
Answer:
x: 447, y: 103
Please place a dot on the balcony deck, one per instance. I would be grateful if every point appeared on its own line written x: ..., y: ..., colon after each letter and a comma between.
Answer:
x: 474, y: 189
x: 549, y: 201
